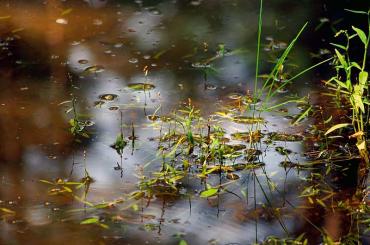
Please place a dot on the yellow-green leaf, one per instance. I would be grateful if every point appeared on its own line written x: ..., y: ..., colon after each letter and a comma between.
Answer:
x: 341, y: 59
x: 88, y: 221
x: 337, y: 126
x: 361, y: 145
x: 183, y: 242
x: 363, y: 78
x: 5, y: 210
x: 209, y: 192
x: 361, y: 34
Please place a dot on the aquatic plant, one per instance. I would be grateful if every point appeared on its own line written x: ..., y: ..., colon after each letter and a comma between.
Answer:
x: 350, y: 84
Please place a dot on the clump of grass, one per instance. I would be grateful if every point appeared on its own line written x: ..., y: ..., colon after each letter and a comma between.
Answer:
x: 350, y: 84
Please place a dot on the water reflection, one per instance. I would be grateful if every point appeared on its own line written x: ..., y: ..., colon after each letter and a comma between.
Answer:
x: 59, y: 50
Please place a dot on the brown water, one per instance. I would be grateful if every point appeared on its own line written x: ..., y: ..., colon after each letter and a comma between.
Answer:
x: 90, y: 48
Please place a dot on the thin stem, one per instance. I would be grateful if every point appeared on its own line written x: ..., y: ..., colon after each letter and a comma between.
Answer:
x: 258, y: 48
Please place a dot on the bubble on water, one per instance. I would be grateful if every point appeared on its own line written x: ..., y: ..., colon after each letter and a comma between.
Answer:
x: 210, y: 86
x: 146, y: 57
x: 83, y: 61
x: 97, y: 22
x: 75, y: 43
x: 61, y: 21
x: 133, y: 60
x: 195, y: 3
x: 155, y: 11
x: 235, y: 96
x: 118, y: 45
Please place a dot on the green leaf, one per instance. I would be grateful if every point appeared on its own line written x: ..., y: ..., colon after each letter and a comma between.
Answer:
x: 355, y: 64
x: 339, y: 46
x: 337, y: 126
x: 301, y: 116
x: 209, y: 192
x: 89, y: 221
x: 361, y: 34
x: 363, y: 78
x: 183, y: 242
x: 356, y: 11
x: 341, y: 59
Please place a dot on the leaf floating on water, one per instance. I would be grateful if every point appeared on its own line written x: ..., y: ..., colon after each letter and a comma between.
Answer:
x: 232, y: 176
x: 276, y: 136
x: 94, y: 69
x: 209, y: 193
x: 283, y: 151
x: 108, y: 97
x: 248, y: 120
x: 141, y: 86
x: 254, y: 136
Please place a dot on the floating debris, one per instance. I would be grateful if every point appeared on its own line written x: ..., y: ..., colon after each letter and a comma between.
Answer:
x: 108, y: 97
x: 141, y: 86
x: 275, y: 136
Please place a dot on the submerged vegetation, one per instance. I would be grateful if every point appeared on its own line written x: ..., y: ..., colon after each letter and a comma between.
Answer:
x: 271, y: 159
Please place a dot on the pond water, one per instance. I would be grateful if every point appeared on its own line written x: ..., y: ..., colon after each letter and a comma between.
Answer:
x: 134, y: 63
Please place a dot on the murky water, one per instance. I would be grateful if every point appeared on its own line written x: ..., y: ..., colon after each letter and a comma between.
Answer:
x: 141, y: 58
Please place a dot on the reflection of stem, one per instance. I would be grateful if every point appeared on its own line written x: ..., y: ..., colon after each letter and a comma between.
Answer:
x: 255, y: 205
x: 161, y: 220
x: 132, y: 138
